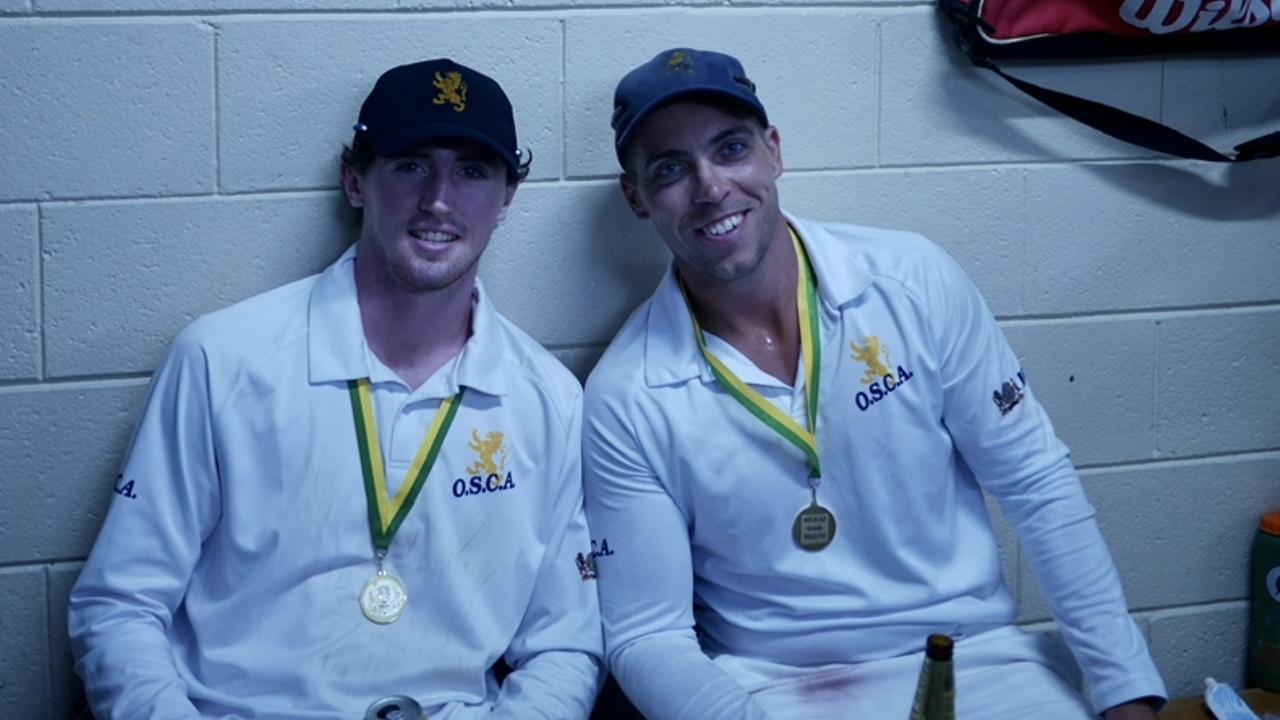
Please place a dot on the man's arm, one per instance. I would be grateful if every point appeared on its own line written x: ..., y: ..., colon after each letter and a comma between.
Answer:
x: 555, y: 654
x: 166, y: 500
x: 1007, y: 440
x: 1137, y: 710
x: 646, y: 581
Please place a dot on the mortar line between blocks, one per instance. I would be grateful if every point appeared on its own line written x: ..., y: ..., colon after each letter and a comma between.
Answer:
x: 42, y: 361
x: 564, y: 98
x: 879, y: 118
x: 48, y: 639
x: 1257, y: 454
x: 217, y: 110
x: 1155, y: 385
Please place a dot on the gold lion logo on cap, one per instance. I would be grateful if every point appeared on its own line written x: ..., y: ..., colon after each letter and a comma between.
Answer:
x: 678, y: 61
x: 452, y: 90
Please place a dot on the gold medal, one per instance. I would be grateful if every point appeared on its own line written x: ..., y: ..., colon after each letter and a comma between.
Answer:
x: 383, y: 598
x: 814, y: 528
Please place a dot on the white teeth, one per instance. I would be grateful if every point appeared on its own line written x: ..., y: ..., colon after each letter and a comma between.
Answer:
x: 434, y: 236
x: 723, y: 226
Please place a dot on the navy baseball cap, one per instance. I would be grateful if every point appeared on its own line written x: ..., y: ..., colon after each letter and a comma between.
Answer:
x: 673, y: 74
x: 437, y: 100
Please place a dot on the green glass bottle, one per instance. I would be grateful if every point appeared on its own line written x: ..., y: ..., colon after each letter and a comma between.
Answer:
x: 936, y: 690
x: 1264, y: 623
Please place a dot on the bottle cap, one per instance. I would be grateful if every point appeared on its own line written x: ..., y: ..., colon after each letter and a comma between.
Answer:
x: 939, y: 647
x: 1270, y: 523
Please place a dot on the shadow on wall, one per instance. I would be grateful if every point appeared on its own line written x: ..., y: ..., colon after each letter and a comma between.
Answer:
x: 571, y: 264
x: 627, y: 249
x: 1243, y: 191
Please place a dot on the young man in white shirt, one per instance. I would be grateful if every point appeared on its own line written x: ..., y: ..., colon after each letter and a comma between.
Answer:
x: 786, y: 449
x: 351, y: 495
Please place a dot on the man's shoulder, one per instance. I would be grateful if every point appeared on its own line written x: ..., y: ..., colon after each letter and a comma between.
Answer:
x: 528, y: 361
x: 620, y: 371
x: 252, y: 326
x: 878, y: 247
x: 886, y: 255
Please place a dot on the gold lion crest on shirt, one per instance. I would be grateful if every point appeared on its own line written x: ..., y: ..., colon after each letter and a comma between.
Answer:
x: 492, y: 455
x: 870, y: 354
x: 452, y: 90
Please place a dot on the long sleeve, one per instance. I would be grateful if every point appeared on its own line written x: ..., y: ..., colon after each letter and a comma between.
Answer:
x: 646, y: 582
x: 1007, y: 440
x: 122, y: 607
x: 556, y: 650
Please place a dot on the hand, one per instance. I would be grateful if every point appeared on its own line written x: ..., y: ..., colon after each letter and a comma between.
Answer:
x: 1136, y: 710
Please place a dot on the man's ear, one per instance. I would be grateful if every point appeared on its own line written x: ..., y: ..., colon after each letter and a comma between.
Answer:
x: 773, y: 142
x: 506, y: 203
x: 632, y: 195
x: 353, y: 186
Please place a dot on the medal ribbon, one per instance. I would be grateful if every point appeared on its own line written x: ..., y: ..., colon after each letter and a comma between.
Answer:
x: 385, y: 512
x: 811, y: 357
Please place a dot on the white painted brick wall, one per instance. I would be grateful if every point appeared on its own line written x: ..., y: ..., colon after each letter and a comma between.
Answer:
x: 1190, y: 644
x: 1214, y: 382
x: 290, y: 90
x: 106, y: 108
x: 571, y: 262
x: 1221, y: 101
x: 1137, y: 236
x: 64, y: 686
x: 122, y: 277
x: 167, y: 157
x: 60, y: 449
x: 24, y: 622
x: 840, y: 45
x: 1094, y: 377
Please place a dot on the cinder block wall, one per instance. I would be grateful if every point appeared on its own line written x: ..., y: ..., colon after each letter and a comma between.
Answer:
x: 162, y: 158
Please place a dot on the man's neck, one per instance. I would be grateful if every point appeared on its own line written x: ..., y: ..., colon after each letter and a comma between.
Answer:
x: 755, y: 314
x: 414, y: 333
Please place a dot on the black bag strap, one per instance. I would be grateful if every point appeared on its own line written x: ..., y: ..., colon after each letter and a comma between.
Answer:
x: 1113, y: 121
x: 1136, y: 129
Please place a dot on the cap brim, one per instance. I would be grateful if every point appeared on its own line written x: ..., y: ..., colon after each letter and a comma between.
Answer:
x: 624, y: 138
x: 398, y: 141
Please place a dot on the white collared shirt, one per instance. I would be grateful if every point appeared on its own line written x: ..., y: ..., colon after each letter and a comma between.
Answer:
x: 922, y: 407
x: 229, y: 575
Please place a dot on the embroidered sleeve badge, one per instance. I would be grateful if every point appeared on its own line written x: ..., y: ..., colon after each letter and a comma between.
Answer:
x: 1010, y: 393
x: 586, y: 566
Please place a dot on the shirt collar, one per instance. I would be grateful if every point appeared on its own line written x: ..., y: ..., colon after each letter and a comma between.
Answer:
x: 671, y: 352
x: 336, y: 348
x: 837, y: 262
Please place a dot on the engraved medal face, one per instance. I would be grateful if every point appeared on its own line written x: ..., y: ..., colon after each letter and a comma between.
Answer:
x: 814, y: 528
x: 383, y: 598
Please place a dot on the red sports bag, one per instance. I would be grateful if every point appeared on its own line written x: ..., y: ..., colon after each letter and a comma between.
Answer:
x: 988, y: 30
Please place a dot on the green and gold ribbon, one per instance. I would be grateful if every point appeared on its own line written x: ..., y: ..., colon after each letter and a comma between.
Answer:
x: 811, y: 356
x: 386, y: 513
